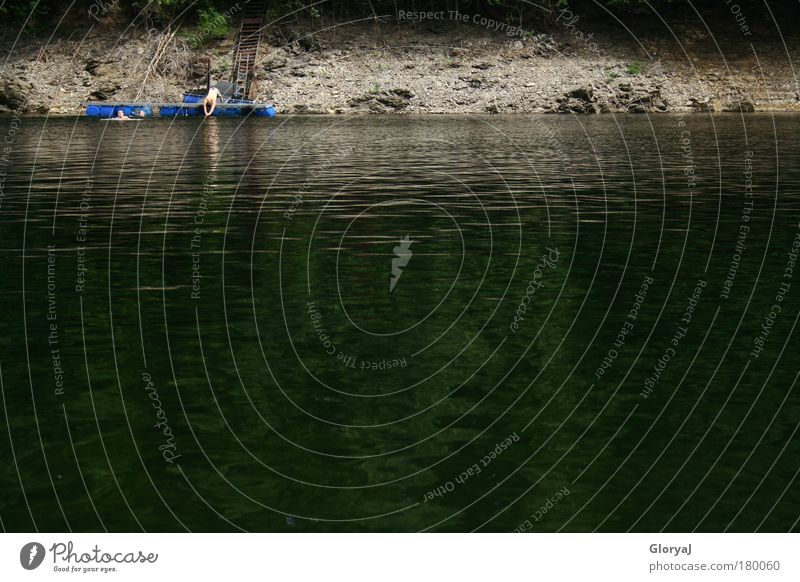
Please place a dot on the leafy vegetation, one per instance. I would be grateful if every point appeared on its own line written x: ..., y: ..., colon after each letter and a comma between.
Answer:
x: 635, y: 68
x: 209, y: 15
x: 33, y: 13
x: 212, y: 24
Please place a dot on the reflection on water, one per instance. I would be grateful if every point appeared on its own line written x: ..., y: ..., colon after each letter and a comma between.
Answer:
x: 202, y: 331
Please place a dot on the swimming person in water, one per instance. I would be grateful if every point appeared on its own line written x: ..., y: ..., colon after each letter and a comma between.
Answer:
x: 121, y: 115
x: 211, y: 99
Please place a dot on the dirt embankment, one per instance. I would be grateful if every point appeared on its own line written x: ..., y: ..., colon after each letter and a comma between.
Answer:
x: 417, y: 67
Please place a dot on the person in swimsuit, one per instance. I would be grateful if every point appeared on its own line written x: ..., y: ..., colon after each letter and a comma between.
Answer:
x: 210, y: 100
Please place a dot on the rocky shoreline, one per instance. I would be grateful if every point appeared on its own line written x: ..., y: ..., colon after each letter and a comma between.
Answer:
x: 400, y: 67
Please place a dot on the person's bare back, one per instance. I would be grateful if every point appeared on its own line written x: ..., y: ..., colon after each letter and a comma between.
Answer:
x: 211, y: 99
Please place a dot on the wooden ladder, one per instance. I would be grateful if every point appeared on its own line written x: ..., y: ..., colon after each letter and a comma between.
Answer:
x: 247, y: 42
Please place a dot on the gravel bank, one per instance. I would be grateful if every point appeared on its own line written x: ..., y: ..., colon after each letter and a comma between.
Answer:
x: 401, y: 67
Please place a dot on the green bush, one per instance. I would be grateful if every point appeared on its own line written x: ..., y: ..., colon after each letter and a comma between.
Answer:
x: 211, y: 25
x: 635, y: 68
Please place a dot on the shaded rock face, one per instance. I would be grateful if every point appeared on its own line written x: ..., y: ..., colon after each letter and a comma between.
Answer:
x: 702, y: 105
x: 576, y: 106
x: 582, y: 94
x: 309, y: 109
x: 274, y: 63
x: 296, y: 41
x: 579, y: 100
x: 16, y: 93
x: 647, y: 101
x: 739, y: 104
x: 105, y: 91
x: 106, y: 79
x: 383, y: 101
x: 641, y: 97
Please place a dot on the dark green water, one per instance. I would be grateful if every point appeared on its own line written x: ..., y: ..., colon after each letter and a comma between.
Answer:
x: 199, y: 333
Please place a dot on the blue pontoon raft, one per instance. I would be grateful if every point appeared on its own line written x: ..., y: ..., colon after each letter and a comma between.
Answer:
x: 192, y: 105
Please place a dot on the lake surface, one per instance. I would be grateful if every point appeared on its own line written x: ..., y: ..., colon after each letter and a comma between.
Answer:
x: 492, y: 323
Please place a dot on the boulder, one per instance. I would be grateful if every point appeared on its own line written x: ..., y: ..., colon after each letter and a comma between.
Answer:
x: 739, y: 105
x: 572, y: 105
x: 383, y: 101
x: 404, y: 93
x: 392, y: 100
x: 703, y: 105
x: 16, y: 93
x: 639, y: 98
x: 583, y: 93
x: 309, y: 109
x: 579, y: 100
x: 274, y: 63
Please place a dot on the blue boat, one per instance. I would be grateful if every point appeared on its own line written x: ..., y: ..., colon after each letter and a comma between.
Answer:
x: 130, y: 110
x: 243, y: 107
x: 228, y: 108
x: 190, y: 106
